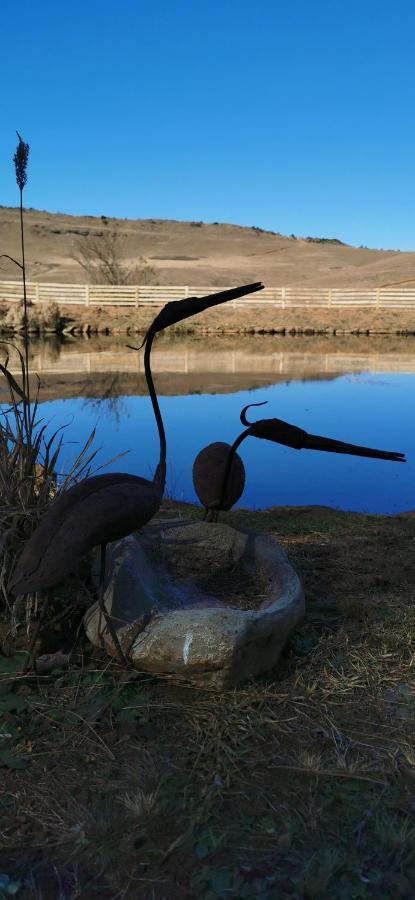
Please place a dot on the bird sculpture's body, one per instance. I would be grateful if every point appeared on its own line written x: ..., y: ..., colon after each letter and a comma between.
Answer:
x: 105, y: 508
x: 208, y: 477
x: 98, y: 509
x: 279, y: 432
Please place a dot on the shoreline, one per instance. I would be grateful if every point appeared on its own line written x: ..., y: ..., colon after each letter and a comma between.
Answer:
x: 243, y: 320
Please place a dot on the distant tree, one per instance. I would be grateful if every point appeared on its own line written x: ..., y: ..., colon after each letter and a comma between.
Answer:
x: 102, y: 257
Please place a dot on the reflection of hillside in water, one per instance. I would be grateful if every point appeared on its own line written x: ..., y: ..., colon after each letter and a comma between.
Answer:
x: 105, y: 368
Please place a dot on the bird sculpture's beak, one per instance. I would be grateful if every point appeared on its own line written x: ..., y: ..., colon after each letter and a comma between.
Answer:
x: 177, y: 310
x: 281, y: 432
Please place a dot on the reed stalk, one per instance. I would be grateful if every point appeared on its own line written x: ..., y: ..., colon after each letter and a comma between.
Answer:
x: 20, y: 159
x: 29, y: 457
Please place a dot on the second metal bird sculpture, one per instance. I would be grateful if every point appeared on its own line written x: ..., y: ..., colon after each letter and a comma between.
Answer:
x: 281, y: 432
x: 105, y: 508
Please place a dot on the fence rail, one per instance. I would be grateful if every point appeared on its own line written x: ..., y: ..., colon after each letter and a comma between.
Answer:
x: 157, y: 295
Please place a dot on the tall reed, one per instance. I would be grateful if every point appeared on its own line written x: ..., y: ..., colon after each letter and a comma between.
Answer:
x: 29, y: 457
x: 20, y: 159
x: 29, y: 463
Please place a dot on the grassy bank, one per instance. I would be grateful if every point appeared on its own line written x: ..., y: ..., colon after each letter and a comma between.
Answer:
x: 249, y: 319
x: 301, y: 784
x: 243, y: 320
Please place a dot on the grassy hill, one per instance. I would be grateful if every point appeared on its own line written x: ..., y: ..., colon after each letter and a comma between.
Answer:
x: 200, y: 254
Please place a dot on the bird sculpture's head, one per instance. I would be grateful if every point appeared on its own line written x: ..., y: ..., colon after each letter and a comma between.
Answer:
x: 177, y: 310
x: 275, y: 430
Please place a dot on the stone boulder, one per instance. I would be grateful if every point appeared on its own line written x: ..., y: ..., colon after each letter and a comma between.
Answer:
x: 204, y: 601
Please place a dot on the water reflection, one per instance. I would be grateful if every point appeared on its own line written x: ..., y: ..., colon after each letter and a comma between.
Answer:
x: 102, y: 367
x: 357, y: 390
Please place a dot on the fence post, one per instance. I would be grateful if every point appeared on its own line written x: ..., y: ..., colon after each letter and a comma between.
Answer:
x: 283, y: 297
x: 137, y: 295
x: 329, y: 297
x: 36, y: 297
x: 377, y: 298
x: 87, y: 295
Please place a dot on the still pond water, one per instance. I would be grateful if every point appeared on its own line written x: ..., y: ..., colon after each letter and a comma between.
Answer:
x: 354, y: 392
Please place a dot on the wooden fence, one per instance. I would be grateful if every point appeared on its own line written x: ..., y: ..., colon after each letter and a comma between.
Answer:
x: 157, y: 295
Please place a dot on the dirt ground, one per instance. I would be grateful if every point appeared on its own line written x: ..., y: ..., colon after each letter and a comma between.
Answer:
x: 299, y: 785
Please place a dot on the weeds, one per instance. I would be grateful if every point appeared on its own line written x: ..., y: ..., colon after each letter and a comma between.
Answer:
x: 29, y: 470
x: 29, y: 455
x: 37, y: 318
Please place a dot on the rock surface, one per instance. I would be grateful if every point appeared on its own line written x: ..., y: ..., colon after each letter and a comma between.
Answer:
x: 169, y: 622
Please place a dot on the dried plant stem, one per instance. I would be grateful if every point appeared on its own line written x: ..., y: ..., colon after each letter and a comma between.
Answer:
x: 32, y: 647
x: 25, y: 321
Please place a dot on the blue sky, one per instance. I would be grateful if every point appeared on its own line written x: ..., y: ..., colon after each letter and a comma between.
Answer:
x: 298, y: 117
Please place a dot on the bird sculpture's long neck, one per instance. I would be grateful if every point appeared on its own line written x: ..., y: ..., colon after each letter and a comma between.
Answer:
x: 229, y: 462
x: 160, y: 474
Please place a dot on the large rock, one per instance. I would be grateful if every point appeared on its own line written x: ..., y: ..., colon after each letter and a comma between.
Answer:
x: 165, y: 594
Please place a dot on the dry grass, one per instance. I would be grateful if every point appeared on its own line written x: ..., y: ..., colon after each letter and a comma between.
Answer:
x: 42, y: 318
x: 246, y: 320
x: 195, y: 253
x: 298, y: 785
x: 29, y: 467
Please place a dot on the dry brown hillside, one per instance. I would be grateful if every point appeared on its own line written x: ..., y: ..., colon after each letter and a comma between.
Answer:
x: 199, y: 254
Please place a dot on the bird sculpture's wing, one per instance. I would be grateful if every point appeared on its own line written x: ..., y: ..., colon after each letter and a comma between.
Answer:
x: 98, y: 510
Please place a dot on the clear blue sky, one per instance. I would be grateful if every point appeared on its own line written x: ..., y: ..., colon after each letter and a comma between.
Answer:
x: 298, y: 117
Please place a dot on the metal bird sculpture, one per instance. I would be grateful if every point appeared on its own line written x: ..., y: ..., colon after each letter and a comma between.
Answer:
x: 105, y: 508
x: 281, y: 432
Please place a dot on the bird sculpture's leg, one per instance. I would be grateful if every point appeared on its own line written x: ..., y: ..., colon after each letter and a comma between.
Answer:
x: 101, y: 604
x: 42, y: 614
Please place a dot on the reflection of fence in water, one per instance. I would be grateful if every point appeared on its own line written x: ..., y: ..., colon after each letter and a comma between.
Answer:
x: 223, y: 362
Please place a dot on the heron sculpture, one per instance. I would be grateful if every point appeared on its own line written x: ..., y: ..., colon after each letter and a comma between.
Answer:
x: 215, y: 473
x: 105, y: 508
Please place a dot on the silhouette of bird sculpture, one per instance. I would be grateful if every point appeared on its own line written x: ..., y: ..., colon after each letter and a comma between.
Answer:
x: 108, y: 507
x: 217, y: 482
